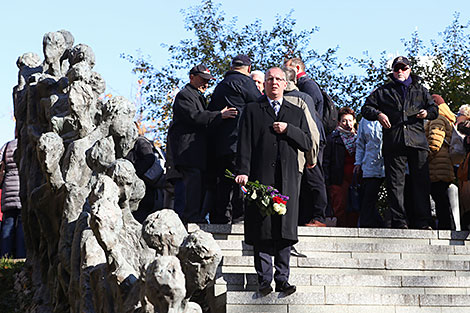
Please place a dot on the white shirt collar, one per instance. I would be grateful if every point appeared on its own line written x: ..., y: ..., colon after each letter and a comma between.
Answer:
x: 271, y: 101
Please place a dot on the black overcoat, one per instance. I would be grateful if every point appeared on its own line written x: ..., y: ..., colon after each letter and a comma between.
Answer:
x: 234, y: 91
x: 188, y: 129
x: 258, y: 148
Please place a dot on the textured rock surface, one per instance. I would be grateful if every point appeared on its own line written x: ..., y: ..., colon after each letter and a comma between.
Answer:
x: 85, y: 251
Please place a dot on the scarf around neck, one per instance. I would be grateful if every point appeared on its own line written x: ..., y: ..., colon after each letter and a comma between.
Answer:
x: 404, y: 85
x: 349, y: 139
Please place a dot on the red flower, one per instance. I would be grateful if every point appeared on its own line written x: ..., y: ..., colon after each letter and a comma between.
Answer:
x: 277, y: 199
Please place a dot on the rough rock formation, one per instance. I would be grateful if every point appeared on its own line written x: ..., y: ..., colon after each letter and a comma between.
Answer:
x: 85, y: 251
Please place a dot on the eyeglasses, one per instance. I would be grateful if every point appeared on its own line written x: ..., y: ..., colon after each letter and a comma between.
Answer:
x: 272, y: 79
x: 402, y: 68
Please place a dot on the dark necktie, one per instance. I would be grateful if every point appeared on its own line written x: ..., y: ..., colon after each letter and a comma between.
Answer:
x: 276, y: 107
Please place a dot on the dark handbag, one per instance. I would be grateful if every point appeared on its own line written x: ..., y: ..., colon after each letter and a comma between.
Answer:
x: 354, y: 196
x: 155, y: 174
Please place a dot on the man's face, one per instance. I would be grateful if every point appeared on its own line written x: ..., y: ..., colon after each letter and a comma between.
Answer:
x: 401, y: 72
x: 199, y: 83
x: 275, y: 83
x: 347, y: 121
x: 259, y: 81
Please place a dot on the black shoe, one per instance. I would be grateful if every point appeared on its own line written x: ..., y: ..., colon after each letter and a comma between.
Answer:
x: 296, y: 253
x: 286, y: 288
x: 238, y: 220
x: 264, y: 291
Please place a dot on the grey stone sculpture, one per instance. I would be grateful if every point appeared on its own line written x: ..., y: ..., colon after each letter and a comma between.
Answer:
x: 85, y: 251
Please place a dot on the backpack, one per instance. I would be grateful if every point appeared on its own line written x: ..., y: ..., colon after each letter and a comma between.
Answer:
x: 330, y: 113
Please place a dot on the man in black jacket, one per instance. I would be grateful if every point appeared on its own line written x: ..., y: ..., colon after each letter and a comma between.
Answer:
x: 234, y: 91
x: 401, y: 105
x: 188, y: 139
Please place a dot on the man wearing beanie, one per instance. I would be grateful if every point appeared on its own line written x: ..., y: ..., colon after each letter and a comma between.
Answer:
x: 401, y: 105
x: 441, y: 169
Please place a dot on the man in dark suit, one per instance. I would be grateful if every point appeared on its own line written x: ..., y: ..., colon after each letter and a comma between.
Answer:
x: 272, y: 132
x: 188, y: 140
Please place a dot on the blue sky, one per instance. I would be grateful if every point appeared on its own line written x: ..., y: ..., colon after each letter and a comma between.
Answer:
x: 115, y: 27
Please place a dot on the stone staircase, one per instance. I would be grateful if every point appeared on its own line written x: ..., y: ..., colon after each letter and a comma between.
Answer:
x: 351, y: 270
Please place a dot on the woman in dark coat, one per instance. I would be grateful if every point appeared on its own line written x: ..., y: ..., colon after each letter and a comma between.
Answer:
x: 338, y: 163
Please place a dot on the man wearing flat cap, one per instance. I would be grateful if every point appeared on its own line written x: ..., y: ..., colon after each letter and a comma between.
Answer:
x: 234, y: 91
x: 401, y: 105
x: 187, y: 139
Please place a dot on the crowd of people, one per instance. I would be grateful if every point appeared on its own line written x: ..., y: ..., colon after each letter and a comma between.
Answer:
x: 281, y: 129
x: 406, y: 140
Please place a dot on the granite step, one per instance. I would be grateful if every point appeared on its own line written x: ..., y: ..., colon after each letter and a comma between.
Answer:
x: 359, y: 263
x: 384, y: 233
x: 293, y: 308
x: 452, y: 282
x: 331, y: 248
x: 351, y: 270
x: 345, y: 302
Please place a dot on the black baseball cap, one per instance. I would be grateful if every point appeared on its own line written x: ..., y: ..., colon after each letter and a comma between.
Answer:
x: 202, y: 71
x: 241, y: 60
x: 400, y: 60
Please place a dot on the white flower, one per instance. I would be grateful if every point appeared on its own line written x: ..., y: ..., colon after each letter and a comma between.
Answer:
x: 282, y: 209
x: 277, y: 207
x: 254, y: 195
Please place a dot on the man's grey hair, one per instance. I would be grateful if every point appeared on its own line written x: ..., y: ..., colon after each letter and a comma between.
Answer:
x: 257, y: 72
x: 272, y: 68
x: 291, y: 75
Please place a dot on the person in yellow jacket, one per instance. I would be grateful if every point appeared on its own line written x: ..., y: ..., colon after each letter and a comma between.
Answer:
x: 441, y: 172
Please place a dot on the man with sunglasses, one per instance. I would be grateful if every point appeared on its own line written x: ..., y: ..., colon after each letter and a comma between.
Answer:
x: 401, y: 105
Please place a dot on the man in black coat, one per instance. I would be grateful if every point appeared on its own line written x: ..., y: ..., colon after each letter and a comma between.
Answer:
x: 234, y: 91
x: 272, y: 132
x: 401, y: 105
x: 188, y: 140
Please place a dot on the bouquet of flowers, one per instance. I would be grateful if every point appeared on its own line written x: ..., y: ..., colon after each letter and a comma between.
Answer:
x: 268, y: 199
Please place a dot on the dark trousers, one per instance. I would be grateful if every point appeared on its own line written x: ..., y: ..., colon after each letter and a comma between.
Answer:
x: 192, y: 185
x: 369, y: 216
x: 263, y: 252
x: 395, y: 168
x: 12, y: 240
x: 441, y: 199
x: 313, y: 197
x: 229, y: 204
